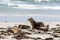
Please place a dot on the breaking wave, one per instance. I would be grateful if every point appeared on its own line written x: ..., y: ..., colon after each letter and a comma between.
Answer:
x: 30, y: 4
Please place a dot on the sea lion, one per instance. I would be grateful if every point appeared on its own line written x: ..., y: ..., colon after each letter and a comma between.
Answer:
x: 23, y: 26
x: 35, y: 24
x: 15, y: 29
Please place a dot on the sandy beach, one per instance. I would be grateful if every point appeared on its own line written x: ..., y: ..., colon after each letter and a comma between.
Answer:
x: 11, y: 24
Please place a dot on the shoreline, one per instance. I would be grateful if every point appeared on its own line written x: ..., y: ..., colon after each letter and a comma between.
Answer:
x: 11, y: 24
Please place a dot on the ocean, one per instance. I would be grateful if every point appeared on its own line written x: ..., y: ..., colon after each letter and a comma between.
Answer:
x: 29, y: 7
x: 21, y: 10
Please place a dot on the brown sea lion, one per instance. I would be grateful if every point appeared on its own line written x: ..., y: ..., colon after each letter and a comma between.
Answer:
x: 35, y: 24
x: 23, y: 26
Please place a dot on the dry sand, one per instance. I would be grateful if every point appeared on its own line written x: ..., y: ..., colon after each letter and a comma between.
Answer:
x: 11, y: 24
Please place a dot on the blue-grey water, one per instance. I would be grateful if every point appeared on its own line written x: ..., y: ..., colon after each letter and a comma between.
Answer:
x: 12, y: 7
x: 24, y: 18
x: 24, y: 7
